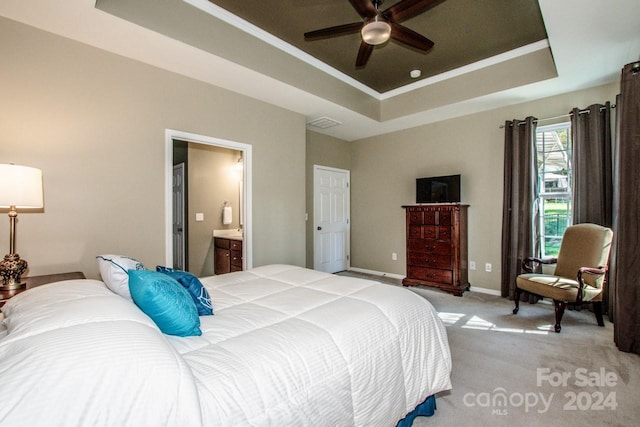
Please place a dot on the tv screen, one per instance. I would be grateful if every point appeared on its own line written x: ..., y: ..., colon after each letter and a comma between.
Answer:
x: 439, y: 189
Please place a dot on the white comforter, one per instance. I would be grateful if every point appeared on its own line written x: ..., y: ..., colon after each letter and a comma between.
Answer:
x: 286, y: 347
x: 76, y: 354
x: 289, y: 346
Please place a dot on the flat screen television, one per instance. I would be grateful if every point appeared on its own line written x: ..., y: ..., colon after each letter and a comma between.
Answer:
x: 438, y: 189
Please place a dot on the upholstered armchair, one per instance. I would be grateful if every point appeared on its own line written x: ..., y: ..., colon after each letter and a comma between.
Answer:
x: 579, y: 276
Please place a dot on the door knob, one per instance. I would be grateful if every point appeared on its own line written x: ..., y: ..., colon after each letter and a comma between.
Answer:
x: 319, y: 228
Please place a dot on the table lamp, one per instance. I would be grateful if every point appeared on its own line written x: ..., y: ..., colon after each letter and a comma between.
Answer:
x: 20, y: 187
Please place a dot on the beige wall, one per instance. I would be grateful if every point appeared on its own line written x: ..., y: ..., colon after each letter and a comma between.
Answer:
x: 322, y: 150
x: 384, y: 169
x: 95, y: 124
x: 213, y: 179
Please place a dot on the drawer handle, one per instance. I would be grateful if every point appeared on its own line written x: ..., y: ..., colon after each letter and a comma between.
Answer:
x: 430, y: 247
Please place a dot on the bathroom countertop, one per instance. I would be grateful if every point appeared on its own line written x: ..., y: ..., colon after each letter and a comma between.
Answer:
x: 233, y: 234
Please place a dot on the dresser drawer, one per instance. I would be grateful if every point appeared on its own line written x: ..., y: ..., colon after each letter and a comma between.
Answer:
x: 431, y: 274
x: 416, y: 218
x: 444, y: 233
x: 418, y: 259
x: 429, y: 232
x: 415, y: 232
x: 236, y: 245
x: 444, y: 217
x: 430, y: 246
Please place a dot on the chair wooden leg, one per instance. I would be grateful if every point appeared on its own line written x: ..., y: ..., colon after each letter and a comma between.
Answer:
x: 560, y: 305
x: 516, y: 299
x: 597, y: 310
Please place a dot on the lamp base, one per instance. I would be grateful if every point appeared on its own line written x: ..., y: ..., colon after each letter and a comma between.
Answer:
x: 11, y: 270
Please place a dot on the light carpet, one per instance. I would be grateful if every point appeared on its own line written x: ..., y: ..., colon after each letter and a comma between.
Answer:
x: 514, y: 370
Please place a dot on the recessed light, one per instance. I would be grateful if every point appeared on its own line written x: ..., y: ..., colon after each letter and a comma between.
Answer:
x: 415, y: 74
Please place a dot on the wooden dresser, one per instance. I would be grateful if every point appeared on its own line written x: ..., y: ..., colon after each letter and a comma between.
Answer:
x: 437, y: 246
x: 227, y: 255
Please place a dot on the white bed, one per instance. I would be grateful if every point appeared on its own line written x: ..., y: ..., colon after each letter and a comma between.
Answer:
x: 286, y: 346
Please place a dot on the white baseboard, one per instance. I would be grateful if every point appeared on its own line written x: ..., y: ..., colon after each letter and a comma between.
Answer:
x: 399, y: 276
x: 485, y: 291
x: 376, y: 273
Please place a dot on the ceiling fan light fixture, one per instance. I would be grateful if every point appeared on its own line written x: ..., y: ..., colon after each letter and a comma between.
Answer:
x: 376, y: 31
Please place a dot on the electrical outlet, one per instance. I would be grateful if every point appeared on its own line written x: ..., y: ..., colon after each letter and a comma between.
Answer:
x: 472, y: 265
x: 487, y: 267
x: 394, y: 256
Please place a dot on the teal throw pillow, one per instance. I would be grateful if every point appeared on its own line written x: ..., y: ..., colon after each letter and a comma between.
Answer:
x: 165, y: 301
x: 192, y: 284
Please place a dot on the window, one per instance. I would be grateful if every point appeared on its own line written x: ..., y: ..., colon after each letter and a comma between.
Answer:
x: 554, y: 184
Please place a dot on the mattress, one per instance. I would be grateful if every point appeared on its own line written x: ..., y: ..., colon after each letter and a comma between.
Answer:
x: 291, y: 346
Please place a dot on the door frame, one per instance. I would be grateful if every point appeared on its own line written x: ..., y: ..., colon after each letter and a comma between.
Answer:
x: 246, y: 149
x: 316, y: 199
x: 181, y: 168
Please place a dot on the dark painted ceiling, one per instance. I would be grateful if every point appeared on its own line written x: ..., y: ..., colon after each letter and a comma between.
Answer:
x: 464, y: 32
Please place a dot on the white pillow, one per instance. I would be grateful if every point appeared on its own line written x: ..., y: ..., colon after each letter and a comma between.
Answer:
x: 114, y: 271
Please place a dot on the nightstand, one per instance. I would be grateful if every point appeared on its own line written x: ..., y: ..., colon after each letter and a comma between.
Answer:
x: 34, y: 281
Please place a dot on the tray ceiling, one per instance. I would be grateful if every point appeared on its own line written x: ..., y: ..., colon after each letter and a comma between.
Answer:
x: 464, y: 32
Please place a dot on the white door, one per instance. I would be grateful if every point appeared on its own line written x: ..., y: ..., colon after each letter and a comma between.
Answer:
x: 331, y: 219
x: 178, y: 217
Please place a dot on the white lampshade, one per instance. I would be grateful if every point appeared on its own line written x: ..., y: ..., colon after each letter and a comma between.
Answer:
x: 376, y: 32
x: 20, y: 186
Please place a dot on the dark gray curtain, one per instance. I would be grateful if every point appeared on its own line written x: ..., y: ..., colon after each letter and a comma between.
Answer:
x: 592, y: 164
x: 627, y: 213
x: 520, y: 217
x: 592, y: 172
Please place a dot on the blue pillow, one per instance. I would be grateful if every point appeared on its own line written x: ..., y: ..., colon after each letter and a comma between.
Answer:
x: 199, y: 293
x: 165, y: 301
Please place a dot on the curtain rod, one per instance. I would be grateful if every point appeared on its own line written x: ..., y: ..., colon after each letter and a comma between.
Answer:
x: 546, y: 119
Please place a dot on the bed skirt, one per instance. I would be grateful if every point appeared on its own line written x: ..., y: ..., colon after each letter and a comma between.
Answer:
x: 425, y: 409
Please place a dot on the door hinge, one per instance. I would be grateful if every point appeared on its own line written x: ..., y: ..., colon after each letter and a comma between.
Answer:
x: 347, y: 257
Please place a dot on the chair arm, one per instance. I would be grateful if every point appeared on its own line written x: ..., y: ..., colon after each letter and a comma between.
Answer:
x: 531, y: 263
x: 589, y: 270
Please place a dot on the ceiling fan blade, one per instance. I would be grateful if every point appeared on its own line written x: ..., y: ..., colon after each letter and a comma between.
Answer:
x: 408, y: 9
x: 363, y: 54
x: 410, y: 37
x: 338, y: 30
x: 365, y: 8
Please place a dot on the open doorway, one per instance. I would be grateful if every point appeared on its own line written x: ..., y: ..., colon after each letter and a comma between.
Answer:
x: 178, y: 215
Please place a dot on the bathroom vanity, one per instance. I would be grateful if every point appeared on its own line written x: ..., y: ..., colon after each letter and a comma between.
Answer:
x: 227, y: 251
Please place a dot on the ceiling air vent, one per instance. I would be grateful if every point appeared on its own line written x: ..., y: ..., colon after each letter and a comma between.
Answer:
x: 323, y: 122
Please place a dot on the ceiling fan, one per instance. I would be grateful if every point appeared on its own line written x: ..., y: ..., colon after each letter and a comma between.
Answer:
x: 378, y: 26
